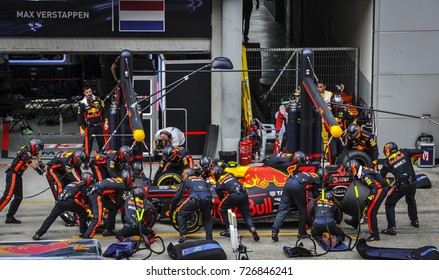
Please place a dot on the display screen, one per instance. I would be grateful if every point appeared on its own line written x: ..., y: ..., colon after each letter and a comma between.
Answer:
x: 106, y: 18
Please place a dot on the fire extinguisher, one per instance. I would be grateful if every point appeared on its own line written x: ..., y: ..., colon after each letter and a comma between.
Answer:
x: 276, y: 148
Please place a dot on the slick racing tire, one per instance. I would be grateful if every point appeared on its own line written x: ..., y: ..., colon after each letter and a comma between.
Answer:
x: 360, y: 156
x: 337, y: 212
x: 193, y: 224
x: 169, y: 179
x: 352, y: 204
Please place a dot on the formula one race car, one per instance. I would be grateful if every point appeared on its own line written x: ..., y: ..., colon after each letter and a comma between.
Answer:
x: 264, y: 185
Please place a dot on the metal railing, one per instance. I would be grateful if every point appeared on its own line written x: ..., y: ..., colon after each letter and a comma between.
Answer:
x: 274, y: 72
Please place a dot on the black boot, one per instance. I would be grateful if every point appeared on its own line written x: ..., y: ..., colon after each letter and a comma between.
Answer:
x: 274, y: 236
x: 351, y: 223
x: 12, y: 220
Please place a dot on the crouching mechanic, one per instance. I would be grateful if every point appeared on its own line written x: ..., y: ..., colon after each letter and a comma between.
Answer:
x: 111, y: 163
x: 199, y: 199
x: 207, y: 163
x: 60, y: 170
x: 378, y: 192
x: 14, y: 177
x: 360, y: 140
x: 297, y: 189
x: 174, y: 160
x: 73, y: 198
x: 107, y: 193
x: 232, y: 194
x: 324, y: 222
x: 135, y: 222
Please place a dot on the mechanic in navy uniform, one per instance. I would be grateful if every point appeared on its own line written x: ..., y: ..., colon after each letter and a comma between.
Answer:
x: 286, y: 202
x: 298, y: 189
x: 207, y: 163
x: 232, y: 194
x: 73, y: 198
x: 14, y: 177
x: 344, y: 118
x: 398, y: 162
x: 378, y: 192
x: 111, y: 163
x: 198, y: 198
x: 174, y: 160
x: 92, y: 120
x: 64, y: 169
x: 324, y: 221
x: 136, y: 218
x: 107, y: 193
x: 358, y: 139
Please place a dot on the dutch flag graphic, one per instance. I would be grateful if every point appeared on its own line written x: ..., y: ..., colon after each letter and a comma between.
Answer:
x: 142, y: 15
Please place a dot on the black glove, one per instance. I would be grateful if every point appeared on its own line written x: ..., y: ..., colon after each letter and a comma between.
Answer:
x: 172, y: 208
x: 41, y: 165
x: 155, y: 152
x: 39, y: 170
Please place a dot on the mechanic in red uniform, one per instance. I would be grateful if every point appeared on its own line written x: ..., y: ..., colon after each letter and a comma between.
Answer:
x: 378, y: 192
x: 14, y: 180
x: 92, y: 120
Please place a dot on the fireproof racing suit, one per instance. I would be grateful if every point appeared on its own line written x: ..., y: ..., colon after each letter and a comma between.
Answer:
x: 378, y: 192
x: 344, y: 118
x: 199, y: 198
x: 14, y: 180
x: 297, y: 189
x: 324, y: 221
x: 107, y: 165
x: 73, y: 198
x: 400, y: 165
x: 61, y: 171
x: 91, y: 119
x: 181, y: 160
x: 233, y: 194
x: 106, y: 193
x: 134, y: 209
x: 366, y: 143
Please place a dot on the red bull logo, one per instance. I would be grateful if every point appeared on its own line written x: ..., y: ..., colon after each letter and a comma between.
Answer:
x: 259, y: 207
x: 263, y: 176
x: 294, y: 169
x: 264, y: 208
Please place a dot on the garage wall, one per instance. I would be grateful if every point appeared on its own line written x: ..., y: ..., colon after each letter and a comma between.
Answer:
x: 406, y: 69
